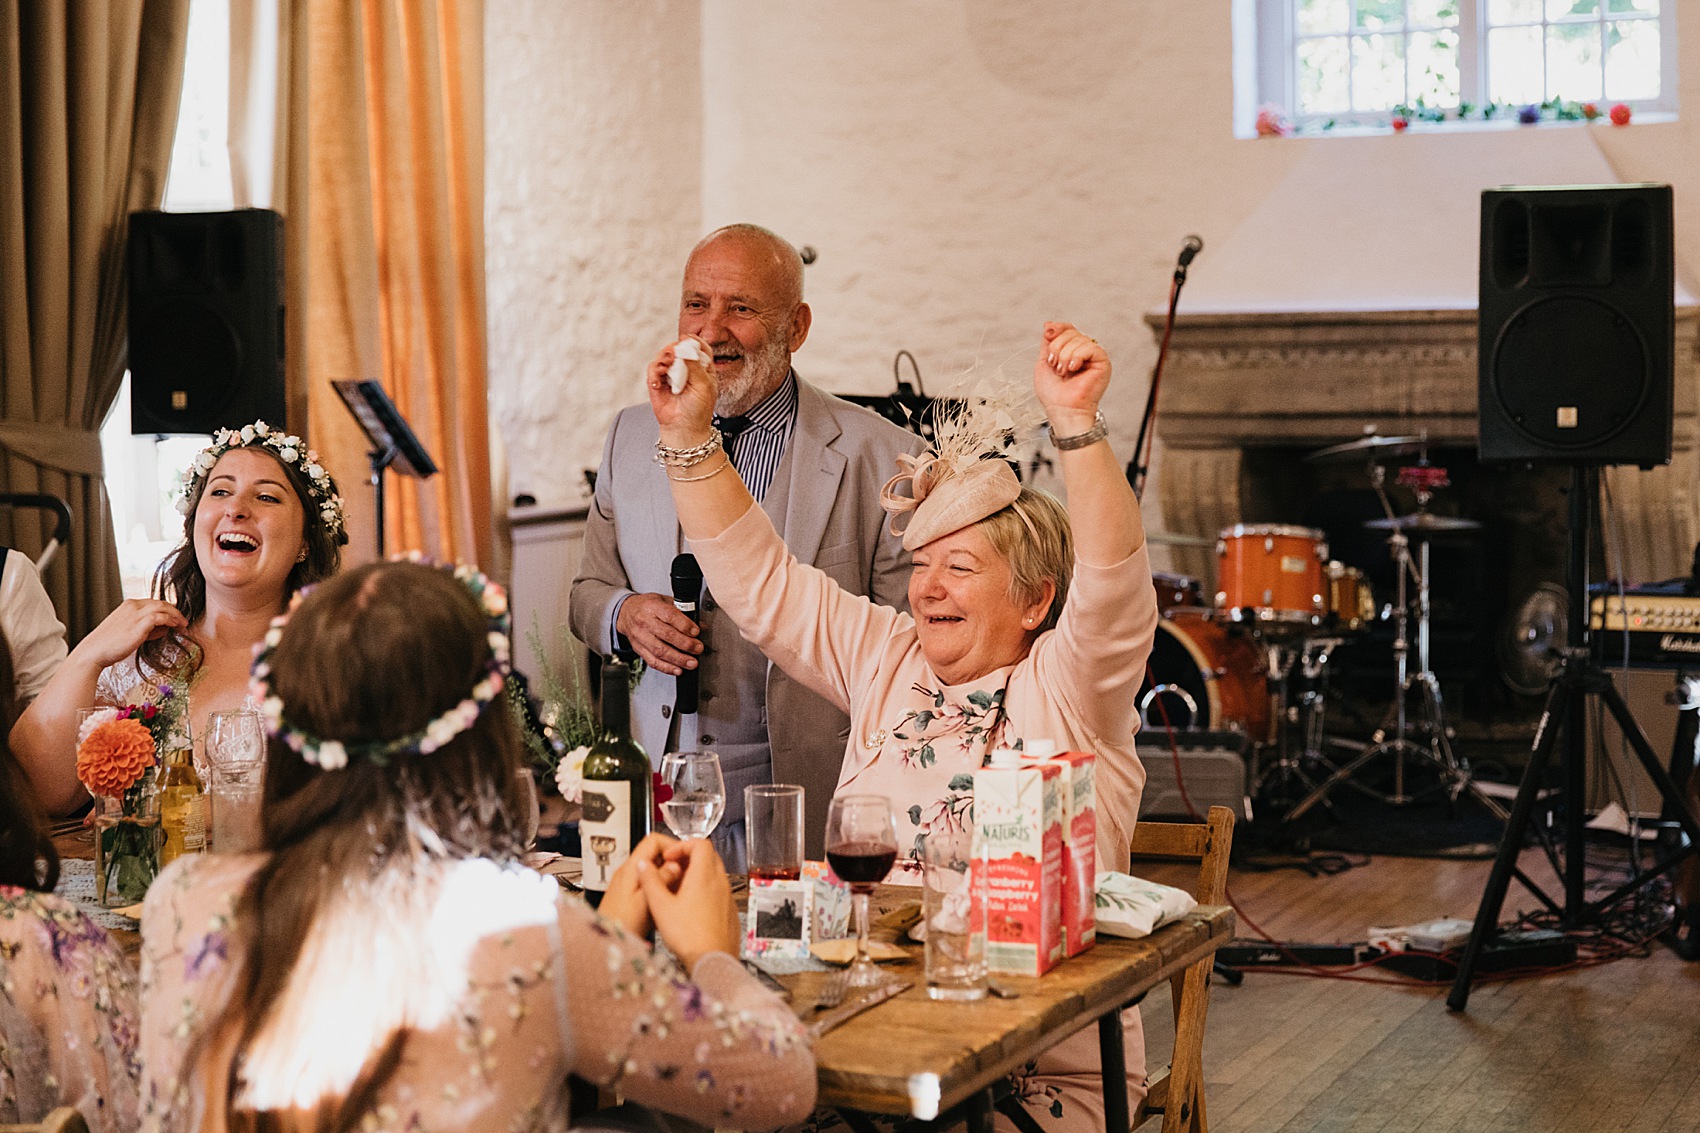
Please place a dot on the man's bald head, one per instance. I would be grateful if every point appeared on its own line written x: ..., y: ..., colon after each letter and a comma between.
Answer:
x: 743, y: 296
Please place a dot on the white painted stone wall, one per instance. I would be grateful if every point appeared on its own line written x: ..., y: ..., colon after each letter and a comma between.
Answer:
x: 966, y: 169
x: 593, y: 141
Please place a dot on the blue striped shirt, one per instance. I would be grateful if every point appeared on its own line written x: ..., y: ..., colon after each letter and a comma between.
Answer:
x: 759, y: 449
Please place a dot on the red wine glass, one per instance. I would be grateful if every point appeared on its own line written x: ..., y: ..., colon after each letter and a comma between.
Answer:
x: 861, y: 845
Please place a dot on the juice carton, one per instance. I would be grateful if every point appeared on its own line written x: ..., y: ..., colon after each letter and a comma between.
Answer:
x: 1079, y: 849
x: 1018, y: 862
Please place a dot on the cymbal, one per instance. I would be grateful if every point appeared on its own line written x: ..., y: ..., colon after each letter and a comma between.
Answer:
x: 1172, y: 539
x: 1370, y: 448
x: 1423, y: 521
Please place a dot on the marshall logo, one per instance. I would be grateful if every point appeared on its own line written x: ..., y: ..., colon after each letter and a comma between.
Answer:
x: 1671, y: 643
x: 597, y: 807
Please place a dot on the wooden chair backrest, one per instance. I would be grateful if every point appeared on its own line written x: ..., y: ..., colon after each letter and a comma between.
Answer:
x: 1207, y: 843
x: 65, y: 1119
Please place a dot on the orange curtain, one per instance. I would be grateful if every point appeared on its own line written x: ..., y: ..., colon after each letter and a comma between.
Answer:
x: 88, y: 107
x: 393, y: 254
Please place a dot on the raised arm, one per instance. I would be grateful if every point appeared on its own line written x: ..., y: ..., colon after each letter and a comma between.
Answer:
x: 45, y: 738
x: 1069, y: 380
x: 707, y: 492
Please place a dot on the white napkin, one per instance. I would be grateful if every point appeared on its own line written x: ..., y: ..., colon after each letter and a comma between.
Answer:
x: 1133, y: 907
x: 684, y: 350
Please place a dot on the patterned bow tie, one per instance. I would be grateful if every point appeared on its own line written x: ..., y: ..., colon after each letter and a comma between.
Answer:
x: 729, y: 428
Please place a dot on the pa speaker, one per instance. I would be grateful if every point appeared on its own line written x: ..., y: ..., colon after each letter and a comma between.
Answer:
x: 1577, y: 335
x: 206, y: 320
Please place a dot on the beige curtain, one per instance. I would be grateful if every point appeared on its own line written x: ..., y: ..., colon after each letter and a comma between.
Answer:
x: 384, y: 190
x: 88, y: 107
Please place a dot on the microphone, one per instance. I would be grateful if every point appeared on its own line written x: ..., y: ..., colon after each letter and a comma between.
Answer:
x: 1189, y: 249
x: 687, y: 590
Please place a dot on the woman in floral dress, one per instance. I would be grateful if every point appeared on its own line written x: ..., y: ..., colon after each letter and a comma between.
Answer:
x: 68, y: 1033
x: 1027, y: 622
x: 385, y: 962
x: 262, y: 518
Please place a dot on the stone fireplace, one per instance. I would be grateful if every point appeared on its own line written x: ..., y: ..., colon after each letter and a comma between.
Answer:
x: 1247, y: 395
x: 1240, y: 384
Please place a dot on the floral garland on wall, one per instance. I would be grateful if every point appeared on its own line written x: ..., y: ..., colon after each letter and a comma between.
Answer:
x: 1272, y: 121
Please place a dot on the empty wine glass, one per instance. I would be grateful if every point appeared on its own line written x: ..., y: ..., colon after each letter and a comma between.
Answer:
x: 861, y: 846
x: 699, y: 793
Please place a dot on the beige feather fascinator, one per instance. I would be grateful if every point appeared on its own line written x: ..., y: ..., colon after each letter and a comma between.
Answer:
x: 966, y: 476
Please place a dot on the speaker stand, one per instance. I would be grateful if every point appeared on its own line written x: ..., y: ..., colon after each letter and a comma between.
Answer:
x: 1565, y: 714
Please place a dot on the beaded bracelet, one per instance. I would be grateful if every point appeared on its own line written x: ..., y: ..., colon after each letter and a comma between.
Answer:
x: 718, y: 469
x: 687, y: 457
x: 1099, y: 430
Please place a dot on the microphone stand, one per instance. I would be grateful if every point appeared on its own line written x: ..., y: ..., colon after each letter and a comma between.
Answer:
x: 1141, y: 462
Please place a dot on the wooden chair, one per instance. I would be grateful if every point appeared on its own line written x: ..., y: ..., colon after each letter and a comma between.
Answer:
x: 1177, y: 1090
x: 65, y: 1119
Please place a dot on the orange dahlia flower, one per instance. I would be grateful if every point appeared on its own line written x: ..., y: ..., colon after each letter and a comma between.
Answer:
x: 114, y: 756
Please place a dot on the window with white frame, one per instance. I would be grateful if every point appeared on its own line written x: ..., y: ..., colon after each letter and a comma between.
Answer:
x: 1323, y: 64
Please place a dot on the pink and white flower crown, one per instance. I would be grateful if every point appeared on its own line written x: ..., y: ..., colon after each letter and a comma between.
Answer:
x: 334, y: 754
x: 288, y: 448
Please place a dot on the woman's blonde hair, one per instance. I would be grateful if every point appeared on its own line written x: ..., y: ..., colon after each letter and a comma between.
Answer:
x: 1034, y: 537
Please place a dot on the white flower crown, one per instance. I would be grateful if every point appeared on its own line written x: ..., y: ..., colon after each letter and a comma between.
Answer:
x: 288, y: 448
x: 334, y: 754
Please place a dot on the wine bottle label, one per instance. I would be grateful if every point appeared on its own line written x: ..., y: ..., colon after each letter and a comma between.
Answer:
x: 605, y: 830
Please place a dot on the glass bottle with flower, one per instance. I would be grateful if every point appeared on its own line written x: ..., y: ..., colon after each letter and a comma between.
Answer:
x: 118, y: 761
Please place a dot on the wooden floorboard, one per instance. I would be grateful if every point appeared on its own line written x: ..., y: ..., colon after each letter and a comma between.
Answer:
x: 1614, y: 1047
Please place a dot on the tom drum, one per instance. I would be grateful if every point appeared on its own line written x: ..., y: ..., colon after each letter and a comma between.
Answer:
x: 1177, y: 590
x: 1271, y: 574
x: 1206, y: 675
x: 1351, y: 602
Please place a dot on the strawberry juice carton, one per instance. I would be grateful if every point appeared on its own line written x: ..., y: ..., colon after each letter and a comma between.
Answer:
x: 1018, y: 862
x: 1078, y: 790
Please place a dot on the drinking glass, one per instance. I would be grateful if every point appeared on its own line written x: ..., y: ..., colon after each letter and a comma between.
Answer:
x: 773, y: 818
x: 699, y: 793
x: 953, y: 911
x: 861, y: 845
x: 236, y: 759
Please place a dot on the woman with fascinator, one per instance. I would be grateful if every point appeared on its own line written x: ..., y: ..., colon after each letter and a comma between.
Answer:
x: 261, y: 519
x: 1028, y: 621
x: 385, y: 961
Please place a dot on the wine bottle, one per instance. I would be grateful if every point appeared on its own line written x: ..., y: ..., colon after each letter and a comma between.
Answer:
x: 617, y: 794
x: 182, y: 807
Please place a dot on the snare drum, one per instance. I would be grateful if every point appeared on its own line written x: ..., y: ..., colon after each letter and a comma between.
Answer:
x: 1351, y: 602
x: 1203, y: 674
x: 1177, y: 590
x: 1271, y: 574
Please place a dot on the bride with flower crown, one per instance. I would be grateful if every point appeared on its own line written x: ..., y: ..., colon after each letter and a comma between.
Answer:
x: 261, y: 519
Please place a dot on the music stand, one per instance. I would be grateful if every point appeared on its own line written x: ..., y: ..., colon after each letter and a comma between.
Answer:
x: 394, y: 443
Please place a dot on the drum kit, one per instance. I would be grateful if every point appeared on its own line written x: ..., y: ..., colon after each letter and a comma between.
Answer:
x: 1256, y: 658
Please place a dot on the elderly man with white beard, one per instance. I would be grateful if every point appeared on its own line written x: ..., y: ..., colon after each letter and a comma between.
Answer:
x: 815, y: 464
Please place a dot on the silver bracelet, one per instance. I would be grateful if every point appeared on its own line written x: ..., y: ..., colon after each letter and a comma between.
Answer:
x: 1099, y: 430
x: 687, y: 457
x: 718, y: 469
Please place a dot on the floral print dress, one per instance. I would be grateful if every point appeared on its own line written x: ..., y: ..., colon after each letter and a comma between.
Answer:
x: 507, y: 986
x: 68, y: 1015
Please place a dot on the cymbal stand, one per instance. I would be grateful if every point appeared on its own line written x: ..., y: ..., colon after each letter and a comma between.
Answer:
x: 1407, y: 735
x: 1298, y: 750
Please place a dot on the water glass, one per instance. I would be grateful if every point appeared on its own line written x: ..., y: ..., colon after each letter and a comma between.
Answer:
x: 235, y: 756
x: 699, y: 793
x: 773, y: 823
x: 953, y: 911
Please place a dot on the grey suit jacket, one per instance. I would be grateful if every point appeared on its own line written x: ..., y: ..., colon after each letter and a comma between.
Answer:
x: 824, y: 501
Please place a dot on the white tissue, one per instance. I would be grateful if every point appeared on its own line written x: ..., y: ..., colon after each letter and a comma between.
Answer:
x: 684, y: 350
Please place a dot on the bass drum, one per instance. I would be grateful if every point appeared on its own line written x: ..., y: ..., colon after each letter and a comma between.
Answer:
x: 1206, y: 675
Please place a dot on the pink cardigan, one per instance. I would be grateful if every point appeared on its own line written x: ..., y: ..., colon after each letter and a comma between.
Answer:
x: 917, y: 740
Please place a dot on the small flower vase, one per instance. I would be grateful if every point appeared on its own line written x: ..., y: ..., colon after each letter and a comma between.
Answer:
x: 126, y: 843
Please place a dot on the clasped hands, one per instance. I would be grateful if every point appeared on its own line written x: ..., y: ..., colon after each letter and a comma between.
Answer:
x: 679, y: 890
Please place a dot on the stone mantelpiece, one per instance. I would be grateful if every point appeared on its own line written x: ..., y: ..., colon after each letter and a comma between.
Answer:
x: 1240, y: 381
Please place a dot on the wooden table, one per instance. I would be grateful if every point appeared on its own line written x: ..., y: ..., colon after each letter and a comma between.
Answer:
x: 917, y: 1057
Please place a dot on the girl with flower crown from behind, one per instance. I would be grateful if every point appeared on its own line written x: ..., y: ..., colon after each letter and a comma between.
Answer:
x: 385, y: 962
x: 261, y: 519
